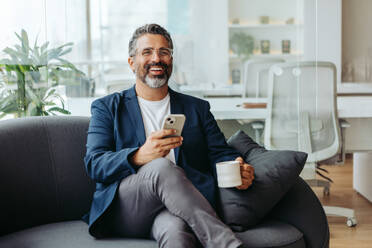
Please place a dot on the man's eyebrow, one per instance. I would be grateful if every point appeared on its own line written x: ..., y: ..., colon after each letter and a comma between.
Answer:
x: 147, y: 48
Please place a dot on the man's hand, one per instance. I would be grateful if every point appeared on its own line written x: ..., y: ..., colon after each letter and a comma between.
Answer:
x: 247, y: 172
x: 156, y: 146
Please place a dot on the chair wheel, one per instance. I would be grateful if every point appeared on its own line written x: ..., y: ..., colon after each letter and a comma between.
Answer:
x: 351, y: 222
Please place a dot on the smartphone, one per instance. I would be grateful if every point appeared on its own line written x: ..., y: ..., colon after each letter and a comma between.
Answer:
x: 174, y: 121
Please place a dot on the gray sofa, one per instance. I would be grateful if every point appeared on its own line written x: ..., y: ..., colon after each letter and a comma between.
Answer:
x: 45, y: 191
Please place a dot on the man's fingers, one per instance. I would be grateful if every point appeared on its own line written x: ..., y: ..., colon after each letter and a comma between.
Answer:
x: 246, y: 181
x: 240, y: 159
x: 162, y: 133
x: 171, y: 146
x: 247, y: 174
x: 247, y: 167
x: 245, y: 184
x: 165, y: 153
x: 171, y: 140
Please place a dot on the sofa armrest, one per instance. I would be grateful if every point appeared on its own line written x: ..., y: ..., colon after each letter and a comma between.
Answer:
x: 301, y: 208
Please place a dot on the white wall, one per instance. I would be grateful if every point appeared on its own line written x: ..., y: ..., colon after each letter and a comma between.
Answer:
x: 322, y: 20
x: 209, y: 27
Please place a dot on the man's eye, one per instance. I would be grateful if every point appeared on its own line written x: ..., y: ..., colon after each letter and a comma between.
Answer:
x: 147, y: 52
x: 164, y: 53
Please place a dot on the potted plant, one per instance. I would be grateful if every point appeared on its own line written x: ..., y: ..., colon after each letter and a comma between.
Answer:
x: 242, y: 45
x: 29, y: 76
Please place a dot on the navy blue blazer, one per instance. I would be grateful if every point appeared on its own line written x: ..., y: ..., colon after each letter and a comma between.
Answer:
x: 116, y: 131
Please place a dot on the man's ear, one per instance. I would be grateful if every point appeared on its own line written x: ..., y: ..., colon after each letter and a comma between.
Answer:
x: 131, y: 63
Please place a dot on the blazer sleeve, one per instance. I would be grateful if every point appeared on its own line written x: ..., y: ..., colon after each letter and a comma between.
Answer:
x: 218, y: 149
x: 103, y: 164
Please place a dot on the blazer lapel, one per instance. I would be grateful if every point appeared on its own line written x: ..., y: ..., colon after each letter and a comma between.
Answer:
x: 176, y: 108
x: 135, y: 115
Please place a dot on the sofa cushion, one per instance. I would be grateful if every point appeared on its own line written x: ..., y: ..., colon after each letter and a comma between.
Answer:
x: 272, y: 233
x: 74, y: 234
x: 42, y: 174
x: 275, y: 173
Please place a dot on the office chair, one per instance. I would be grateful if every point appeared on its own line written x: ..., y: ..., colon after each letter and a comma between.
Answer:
x: 255, y: 82
x: 256, y: 75
x: 302, y: 116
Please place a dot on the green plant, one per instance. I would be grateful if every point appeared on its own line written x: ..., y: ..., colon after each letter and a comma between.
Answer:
x: 242, y: 44
x: 29, y: 76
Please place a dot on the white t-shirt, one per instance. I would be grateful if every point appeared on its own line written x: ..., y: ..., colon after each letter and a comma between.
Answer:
x: 153, y: 114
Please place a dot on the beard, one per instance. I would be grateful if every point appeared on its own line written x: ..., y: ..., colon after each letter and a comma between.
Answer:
x: 156, y: 81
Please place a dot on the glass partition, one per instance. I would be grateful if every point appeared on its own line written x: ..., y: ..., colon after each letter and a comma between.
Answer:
x: 212, y: 45
x: 263, y: 29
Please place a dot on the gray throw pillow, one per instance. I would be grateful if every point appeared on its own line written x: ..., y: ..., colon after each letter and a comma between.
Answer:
x: 275, y: 173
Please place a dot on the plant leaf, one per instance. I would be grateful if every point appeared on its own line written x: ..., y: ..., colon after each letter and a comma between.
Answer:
x: 49, y: 103
x: 11, y: 52
x: 60, y: 99
x: 2, y: 115
x: 60, y: 110
x: 18, y: 48
x: 51, y: 92
x: 65, y: 51
x: 44, y: 47
x: 67, y: 64
x: 5, y: 61
x: 9, y: 104
x: 53, y: 54
x: 30, y: 92
x: 18, y: 36
x: 32, y: 109
x: 17, y: 57
x: 64, y: 45
x: 25, y: 42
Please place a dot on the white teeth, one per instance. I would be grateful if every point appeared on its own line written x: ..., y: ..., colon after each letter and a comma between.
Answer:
x: 156, y: 69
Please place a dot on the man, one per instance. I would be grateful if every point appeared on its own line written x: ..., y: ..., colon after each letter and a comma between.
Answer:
x: 150, y: 185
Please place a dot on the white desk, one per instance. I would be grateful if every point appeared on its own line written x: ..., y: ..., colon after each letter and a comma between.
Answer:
x: 354, y: 106
x: 228, y: 108
x: 213, y: 90
x: 232, y: 109
x: 355, y: 110
x: 358, y: 139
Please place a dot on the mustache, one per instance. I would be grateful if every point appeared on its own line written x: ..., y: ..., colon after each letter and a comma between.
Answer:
x: 165, y: 66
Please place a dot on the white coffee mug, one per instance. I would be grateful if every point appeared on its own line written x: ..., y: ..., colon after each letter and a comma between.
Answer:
x: 228, y: 174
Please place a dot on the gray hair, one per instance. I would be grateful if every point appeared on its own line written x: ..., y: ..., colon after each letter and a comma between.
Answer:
x: 148, y: 29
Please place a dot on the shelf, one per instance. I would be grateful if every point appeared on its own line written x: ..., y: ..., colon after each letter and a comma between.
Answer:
x: 269, y: 55
x: 355, y: 88
x: 284, y: 22
x: 279, y: 25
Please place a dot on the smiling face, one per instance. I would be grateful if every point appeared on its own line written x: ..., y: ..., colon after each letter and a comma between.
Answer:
x: 152, y: 62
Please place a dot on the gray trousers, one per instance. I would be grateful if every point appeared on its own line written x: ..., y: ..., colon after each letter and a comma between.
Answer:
x: 160, y: 202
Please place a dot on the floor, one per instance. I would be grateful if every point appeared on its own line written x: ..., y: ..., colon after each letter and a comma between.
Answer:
x: 343, y: 195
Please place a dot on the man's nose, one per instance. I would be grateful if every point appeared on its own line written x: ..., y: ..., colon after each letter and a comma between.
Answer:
x: 155, y: 56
